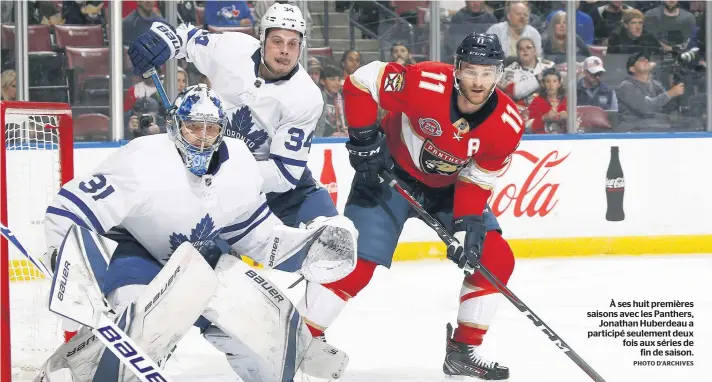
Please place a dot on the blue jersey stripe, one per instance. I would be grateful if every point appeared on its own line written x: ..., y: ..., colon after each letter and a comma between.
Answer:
x: 285, y: 172
x: 289, y: 161
x: 84, y: 208
x: 242, y: 225
x: 239, y: 237
x: 67, y: 214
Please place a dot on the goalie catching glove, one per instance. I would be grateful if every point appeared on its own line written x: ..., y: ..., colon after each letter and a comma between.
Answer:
x: 327, y: 244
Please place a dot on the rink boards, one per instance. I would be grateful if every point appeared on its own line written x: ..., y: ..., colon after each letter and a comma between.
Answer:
x: 551, y: 200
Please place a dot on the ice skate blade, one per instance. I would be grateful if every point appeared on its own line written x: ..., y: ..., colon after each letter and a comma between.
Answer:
x: 465, y: 378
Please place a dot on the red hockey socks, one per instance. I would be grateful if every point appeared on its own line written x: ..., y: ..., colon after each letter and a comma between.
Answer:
x: 323, y: 303
x: 478, y: 298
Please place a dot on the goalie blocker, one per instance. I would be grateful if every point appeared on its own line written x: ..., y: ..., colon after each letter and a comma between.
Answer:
x: 165, y: 308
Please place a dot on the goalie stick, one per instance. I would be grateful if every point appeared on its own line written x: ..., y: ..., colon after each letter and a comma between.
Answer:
x: 113, y: 337
x: 449, y: 240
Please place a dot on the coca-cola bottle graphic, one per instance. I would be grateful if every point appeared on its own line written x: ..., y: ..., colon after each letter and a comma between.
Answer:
x: 615, y: 188
x: 328, y: 176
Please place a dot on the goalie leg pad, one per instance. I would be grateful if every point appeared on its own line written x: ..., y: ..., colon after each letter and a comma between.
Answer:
x: 251, y: 310
x: 156, y: 316
x: 243, y: 360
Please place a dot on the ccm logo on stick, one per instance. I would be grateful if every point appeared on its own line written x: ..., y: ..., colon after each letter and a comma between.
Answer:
x: 128, y: 352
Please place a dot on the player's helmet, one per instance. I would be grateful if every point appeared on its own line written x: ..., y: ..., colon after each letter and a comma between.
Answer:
x: 480, y: 49
x: 197, y: 104
x: 283, y: 16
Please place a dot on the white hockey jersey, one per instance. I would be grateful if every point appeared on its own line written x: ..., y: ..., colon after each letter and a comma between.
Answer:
x: 144, y: 188
x: 276, y: 119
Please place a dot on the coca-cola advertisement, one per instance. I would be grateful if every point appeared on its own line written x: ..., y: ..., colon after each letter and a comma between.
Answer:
x: 615, y: 187
x: 536, y: 195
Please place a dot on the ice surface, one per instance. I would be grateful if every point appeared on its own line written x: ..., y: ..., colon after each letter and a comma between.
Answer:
x: 395, y: 329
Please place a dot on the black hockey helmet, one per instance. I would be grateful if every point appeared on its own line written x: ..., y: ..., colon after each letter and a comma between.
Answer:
x: 480, y: 49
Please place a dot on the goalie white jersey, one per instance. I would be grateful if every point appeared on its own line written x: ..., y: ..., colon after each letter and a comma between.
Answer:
x: 276, y: 119
x: 145, y: 190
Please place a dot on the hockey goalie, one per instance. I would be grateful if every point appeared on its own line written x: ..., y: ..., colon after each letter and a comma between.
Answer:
x: 193, y: 185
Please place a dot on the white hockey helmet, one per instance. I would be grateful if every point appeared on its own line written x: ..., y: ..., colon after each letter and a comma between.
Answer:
x: 198, y: 111
x: 283, y: 16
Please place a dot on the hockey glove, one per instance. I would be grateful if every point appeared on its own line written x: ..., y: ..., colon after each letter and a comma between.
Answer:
x: 153, y: 48
x: 470, y: 232
x: 370, y: 160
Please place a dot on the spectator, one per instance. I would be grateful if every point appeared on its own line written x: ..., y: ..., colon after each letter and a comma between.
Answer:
x: 548, y: 110
x: 9, y: 85
x: 315, y: 70
x: 671, y: 25
x: 522, y: 79
x: 334, y: 122
x: 401, y: 54
x: 227, y: 13
x: 516, y: 26
x: 475, y: 16
x: 606, y: 19
x: 500, y: 14
x: 641, y: 99
x: 182, y: 79
x: 143, y: 119
x: 584, y: 23
x: 139, y: 21
x: 83, y: 12
x: 43, y: 12
x: 204, y: 80
x: 474, y: 12
x: 554, y: 42
x: 186, y: 11
x: 591, y: 91
x: 350, y: 61
x: 631, y: 36
x: 141, y: 89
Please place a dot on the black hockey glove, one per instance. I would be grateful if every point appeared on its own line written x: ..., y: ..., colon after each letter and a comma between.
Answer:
x: 471, y: 231
x: 369, y: 160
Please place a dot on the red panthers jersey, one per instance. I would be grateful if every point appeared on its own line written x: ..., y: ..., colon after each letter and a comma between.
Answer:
x: 427, y: 135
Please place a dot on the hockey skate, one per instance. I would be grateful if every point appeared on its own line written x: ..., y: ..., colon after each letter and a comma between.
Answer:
x: 463, y: 363
x: 322, y: 357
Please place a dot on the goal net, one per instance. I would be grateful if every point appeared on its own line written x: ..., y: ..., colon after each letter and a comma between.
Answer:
x: 36, y: 159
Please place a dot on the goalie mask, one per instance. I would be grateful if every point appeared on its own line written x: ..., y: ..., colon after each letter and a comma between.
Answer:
x: 197, y: 126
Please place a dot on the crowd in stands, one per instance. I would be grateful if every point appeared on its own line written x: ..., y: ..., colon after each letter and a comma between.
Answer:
x: 640, y: 64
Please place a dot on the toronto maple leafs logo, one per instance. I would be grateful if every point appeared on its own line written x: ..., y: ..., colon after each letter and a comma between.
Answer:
x: 240, y: 127
x: 187, y: 104
x: 201, y: 236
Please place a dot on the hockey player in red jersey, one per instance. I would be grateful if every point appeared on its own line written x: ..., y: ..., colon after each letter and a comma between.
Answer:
x: 447, y: 135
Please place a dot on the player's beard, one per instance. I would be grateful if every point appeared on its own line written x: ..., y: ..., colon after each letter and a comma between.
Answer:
x: 479, y: 97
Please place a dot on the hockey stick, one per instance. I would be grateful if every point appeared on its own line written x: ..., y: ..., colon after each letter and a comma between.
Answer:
x: 450, y: 240
x: 113, y: 337
x: 159, y: 88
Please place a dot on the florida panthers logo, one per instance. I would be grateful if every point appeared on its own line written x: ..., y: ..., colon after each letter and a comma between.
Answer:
x: 240, y: 127
x: 434, y: 160
x: 201, y: 236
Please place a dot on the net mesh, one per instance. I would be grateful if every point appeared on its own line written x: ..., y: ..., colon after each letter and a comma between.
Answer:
x: 33, y: 177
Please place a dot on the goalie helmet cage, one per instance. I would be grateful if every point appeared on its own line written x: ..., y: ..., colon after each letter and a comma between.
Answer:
x: 35, y: 160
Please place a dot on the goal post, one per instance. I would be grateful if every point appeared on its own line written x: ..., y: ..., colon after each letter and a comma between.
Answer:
x: 35, y: 161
